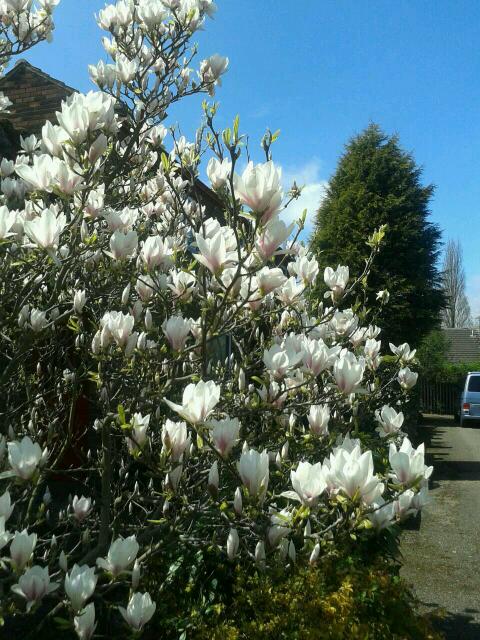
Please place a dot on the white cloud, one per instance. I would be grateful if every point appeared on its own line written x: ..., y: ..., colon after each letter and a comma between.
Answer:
x: 313, y: 192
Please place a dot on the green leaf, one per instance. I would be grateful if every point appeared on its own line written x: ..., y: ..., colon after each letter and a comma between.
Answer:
x: 121, y: 414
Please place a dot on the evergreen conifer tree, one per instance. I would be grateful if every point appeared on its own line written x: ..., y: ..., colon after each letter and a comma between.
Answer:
x: 377, y: 183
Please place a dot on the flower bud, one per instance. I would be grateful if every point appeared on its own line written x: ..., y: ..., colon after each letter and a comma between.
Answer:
x: 126, y: 294
x: 260, y: 555
x: 148, y: 320
x: 213, y: 479
x: 315, y: 554
x: 135, y: 575
x: 238, y: 502
x: 233, y: 542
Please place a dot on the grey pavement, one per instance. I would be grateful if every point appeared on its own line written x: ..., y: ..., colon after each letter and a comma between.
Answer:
x: 442, y: 556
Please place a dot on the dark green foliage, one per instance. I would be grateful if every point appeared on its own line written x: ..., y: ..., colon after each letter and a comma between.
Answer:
x: 378, y: 183
x: 432, y: 354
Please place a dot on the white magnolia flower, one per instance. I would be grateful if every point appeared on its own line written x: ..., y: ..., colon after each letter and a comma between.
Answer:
x: 336, y: 280
x: 21, y: 548
x: 34, y: 584
x: 213, y: 251
x: 211, y: 70
x: 403, y: 352
x: 304, y: 268
x: 351, y: 473
x: 80, y: 584
x: 139, y: 611
x: 218, y: 172
x: 24, y: 457
x: 81, y: 507
x: 53, y: 139
x: 6, y: 506
x: 318, y: 419
x: 139, y: 436
x: 175, y: 438
x: 121, y: 555
x: 390, y: 422
x: 7, y: 220
x: 182, y: 284
x: 198, y: 401
x: 406, y: 378
x: 383, y: 296
x: 176, y: 330
x: 348, y: 372
x: 38, y: 320
x: 344, y: 323
x: 421, y: 499
x: 123, y: 245
x: 145, y: 287
x: 269, y: 279
x: 260, y: 188
x: 45, y: 229
x: 308, y: 483
x: 157, y: 252
x: 281, y: 525
x: 271, y: 237
x: 79, y: 300
x: 402, y: 506
x: 117, y: 326
x: 317, y: 356
x: 41, y: 174
x: 408, y: 463
x: 280, y: 359
x: 84, y: 622
x: 5, y: 536
x: 383, y: 515
x: 254, y: 471
x: 290, y: 292
x: 224, y: 434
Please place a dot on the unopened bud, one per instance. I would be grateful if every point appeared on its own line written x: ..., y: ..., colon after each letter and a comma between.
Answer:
x: 238, y: 502
x: 126, y: 294
x: 260, y: 555
x: 135, y: 575
x: 213, y: 479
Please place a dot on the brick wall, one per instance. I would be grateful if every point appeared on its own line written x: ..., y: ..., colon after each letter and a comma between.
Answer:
x: 35, y: 97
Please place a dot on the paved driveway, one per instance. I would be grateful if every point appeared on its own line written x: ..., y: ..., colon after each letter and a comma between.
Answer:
x: 442, y: 558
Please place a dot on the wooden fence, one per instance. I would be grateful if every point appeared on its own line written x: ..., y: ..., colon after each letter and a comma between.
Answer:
x: 442, y: 398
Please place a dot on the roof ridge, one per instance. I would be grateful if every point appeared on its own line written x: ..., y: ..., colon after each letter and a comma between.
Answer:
x: 24, y: 63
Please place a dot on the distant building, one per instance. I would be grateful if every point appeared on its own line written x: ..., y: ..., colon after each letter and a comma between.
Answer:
x: 464, y: 345
x: 36, y: 97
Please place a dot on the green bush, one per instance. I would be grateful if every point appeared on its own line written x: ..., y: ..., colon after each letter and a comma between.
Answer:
x: 335, y: 601
x: 344, y: 597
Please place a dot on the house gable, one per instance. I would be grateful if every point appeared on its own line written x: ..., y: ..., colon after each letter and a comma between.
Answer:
x: 36, y: 97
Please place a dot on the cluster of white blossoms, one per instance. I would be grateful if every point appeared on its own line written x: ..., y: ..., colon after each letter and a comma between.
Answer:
x: 166, y: 352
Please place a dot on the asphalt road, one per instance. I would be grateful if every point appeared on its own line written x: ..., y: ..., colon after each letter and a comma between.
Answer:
x: 442, y: 557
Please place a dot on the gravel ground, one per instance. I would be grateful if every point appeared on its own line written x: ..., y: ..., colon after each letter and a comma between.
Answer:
x: 442, y: 557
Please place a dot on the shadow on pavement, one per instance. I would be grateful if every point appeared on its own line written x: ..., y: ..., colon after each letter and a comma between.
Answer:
x: 432, y: 434
x: 457, y: 626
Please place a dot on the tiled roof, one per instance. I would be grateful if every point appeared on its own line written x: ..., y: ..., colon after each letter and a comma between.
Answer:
x: 464, y: 345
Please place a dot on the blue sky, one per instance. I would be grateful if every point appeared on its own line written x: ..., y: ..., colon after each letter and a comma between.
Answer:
x: 321, y: 71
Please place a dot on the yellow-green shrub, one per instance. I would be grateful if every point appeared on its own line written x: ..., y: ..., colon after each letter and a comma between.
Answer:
x: 325, y: 603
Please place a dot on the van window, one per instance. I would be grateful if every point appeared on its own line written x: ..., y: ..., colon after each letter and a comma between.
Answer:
x: 474, y: 383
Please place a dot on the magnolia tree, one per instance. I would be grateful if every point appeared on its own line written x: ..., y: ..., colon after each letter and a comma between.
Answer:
x: 162, y: 360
